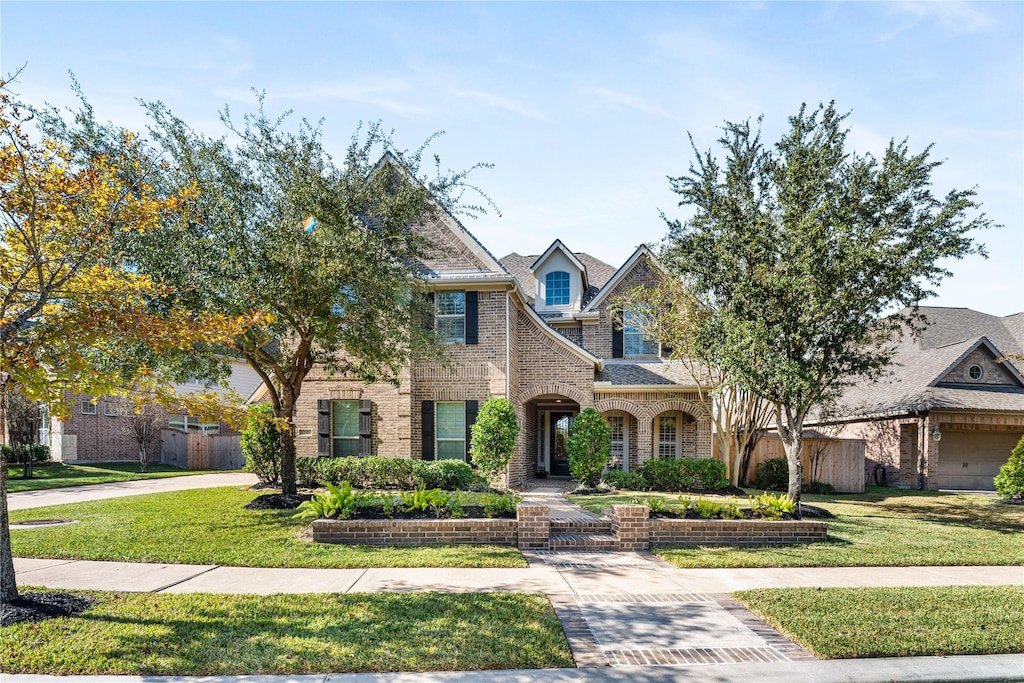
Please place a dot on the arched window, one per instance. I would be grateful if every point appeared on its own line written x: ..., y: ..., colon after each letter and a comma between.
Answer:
x: 556, y: 288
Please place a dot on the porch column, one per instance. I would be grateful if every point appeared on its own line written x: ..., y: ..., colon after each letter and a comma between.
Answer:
x: 931, y: 454
x: 644, y: 439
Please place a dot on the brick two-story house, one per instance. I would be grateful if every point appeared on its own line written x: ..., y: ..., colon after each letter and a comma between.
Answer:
x: 534, y: 329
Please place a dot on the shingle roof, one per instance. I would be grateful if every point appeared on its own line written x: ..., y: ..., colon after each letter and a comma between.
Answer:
x: 598, y: 272
x: 920, y: 362
x: 645, y: 373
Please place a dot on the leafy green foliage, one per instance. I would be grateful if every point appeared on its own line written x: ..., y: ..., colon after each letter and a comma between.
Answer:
x: 378, y: 472
x: 626, y: 481
x: 261, y: 445
x: 497, y: 504
x: 772, y: 506
x: 678, y: 474
x: 494, y: 437
x: 339, y: 502
x: 589, y: 447
x: 796, y: 251
x: 771, y: 474
x: 1010, y: 479
x: 422, y: 500
x: 654, y: 504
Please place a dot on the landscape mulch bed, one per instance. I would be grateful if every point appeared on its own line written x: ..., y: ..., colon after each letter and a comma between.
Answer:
x: 40, y: 606
x: 471, y: 512
x: 278, y: 501
x: 809, y: 512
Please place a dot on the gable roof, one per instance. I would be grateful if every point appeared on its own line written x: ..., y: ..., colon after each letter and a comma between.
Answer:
x: 919, y: 365
x: 624, y: 270
x: 455, y: 227
x: 598, y: 272
x: 557, y: 244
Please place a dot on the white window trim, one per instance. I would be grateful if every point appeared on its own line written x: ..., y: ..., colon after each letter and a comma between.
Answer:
x: 354, y: 438
x: 625, y: 435
x: 450, y: 316
x: 92, y: 407
x: 547, y: 289
x: 626, y: 334
x: 981, y: 372
x: 657, y: 434
x: 110, y: 409
x: 438, y: 440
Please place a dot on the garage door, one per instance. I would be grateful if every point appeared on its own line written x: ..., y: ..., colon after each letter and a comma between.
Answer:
x: 969, y: 460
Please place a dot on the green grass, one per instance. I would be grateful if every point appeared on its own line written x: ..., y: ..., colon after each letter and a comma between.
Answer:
x: 56, y: 475
x: 881, y: 527
x: 210, y: 526
x: 208, y: 634
x: 839, y: 623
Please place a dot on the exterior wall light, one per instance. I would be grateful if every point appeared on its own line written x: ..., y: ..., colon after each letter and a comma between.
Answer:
x: 936, y: 434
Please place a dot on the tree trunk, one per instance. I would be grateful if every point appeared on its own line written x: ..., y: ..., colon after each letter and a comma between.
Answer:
x: 286, y: 436
x: 143, y: 460
x: 8, y: 586
x: 792, y: 434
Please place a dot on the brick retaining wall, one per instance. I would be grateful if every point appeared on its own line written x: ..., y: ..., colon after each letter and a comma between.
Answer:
x: 415, y: 531
x: 735, y: 531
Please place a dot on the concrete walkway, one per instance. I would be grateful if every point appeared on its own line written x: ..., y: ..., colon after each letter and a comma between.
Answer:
x: 22, y: 500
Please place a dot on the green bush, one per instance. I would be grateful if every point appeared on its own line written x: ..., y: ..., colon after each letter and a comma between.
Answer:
x: 589, y: 446
x: 654, y: 504
x: 678, y: 474
x: 1010, y: 480
x: 450, y: 475
x: 772, y: 475
x: 626, y: 481
x: 390, y: 473
x: 22, y: 452
x: 496, y: 504
x: 817, y: 487
x: 339, y: 502
x: 772, y: 506
x: 493, y: 439
x: 261, y: 445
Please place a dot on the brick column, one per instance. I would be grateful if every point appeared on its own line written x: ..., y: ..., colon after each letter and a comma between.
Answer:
x: 630, y: 524
x: 644, y: 439
x: 931, y: 454
x: 908, y: 457
x: 534, y: 526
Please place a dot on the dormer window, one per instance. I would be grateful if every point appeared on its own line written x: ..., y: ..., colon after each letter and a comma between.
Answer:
x: 556, y: 288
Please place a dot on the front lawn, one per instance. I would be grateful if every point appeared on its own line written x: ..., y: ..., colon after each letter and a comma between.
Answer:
x: 840, y: 623
x: 210, y: 526
x: 881, y: 527
x: 209, y: 634
x: 57, y: 475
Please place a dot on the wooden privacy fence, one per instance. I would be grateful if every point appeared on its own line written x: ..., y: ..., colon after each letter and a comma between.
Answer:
x: 201, y: 452
x: 842, y: 460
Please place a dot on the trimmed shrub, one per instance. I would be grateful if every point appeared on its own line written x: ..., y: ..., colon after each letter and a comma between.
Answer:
x: 375, y: 472
x: 261, y: 445
x: 817, y: 487
x: 772, y: 506
x: 450, y: 475
x: 18, y: 453
x: 589, y: 446
x: 772, y: 475
x: 494, y: 437
x: 627, y: 481
x: 678, y: 474
x: 1010, y: 480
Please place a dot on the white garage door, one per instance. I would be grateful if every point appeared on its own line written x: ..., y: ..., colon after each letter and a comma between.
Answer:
x: 969, y: 460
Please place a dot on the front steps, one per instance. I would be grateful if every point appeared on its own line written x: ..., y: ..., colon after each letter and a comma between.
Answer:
x: 582, y: 534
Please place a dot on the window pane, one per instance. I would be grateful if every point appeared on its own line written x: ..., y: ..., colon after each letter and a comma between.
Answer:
x: 345, y: 418
x: 451, y: 450
x: 451, y: 303
x: 176, y: 422
x: 451, y: 330
x: 346, y: 446
x: 667, y: 436
x: 556, y: 288
x: 451, y: 421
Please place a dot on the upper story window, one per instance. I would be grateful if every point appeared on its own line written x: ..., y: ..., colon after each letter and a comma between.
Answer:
x: 634, y: 342
x: 556, y: 288
x: 450, y: 317
x: 975, y: 372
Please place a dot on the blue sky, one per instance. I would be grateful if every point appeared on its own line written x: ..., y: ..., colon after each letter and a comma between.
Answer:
x: 583, y: 108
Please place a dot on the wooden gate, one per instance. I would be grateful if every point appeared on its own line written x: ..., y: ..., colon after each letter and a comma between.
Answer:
x: 201, y: 452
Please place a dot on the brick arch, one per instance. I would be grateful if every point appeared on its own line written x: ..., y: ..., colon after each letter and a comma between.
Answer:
x: 558, y: 388
x: 695, y: 410
x: 606, y: 404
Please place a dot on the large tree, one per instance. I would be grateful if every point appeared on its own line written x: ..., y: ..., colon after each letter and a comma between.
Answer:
x: 66, y: 292
x: 322, y: 257
x: 802, y: 248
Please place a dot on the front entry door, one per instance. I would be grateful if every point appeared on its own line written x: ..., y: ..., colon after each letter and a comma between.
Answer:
x: 558, y: 442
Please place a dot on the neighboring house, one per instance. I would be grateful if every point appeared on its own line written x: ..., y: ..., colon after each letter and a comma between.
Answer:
x: 94, y: 430
x: 534, y: 329
x: 949, y: 413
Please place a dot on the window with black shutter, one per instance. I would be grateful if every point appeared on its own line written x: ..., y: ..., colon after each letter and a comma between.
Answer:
x: 472, y: 407
x: 323, y: 427
x: 617, y: 337
x: 472, y: 313
x: 427, y: 429
x: 365, y: 427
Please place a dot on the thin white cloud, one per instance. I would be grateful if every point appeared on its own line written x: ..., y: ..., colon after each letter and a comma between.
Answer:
x: 388, y: 94
x: 499, y: 102
x: 955, y: 17
x: 636, y: 102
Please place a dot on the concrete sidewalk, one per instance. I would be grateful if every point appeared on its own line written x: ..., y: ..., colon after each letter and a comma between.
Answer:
x: 965, y: 668
x: 23, y: 500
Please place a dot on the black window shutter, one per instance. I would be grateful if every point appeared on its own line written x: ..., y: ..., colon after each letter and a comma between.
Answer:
x: 427, y: 429
x: 618, y: 341
x: 323, y: 427
x: 365, y: 427
x: 472, y: 326
x: 472, y: 408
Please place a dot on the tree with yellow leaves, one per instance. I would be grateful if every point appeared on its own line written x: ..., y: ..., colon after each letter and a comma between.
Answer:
x: 66, y: 292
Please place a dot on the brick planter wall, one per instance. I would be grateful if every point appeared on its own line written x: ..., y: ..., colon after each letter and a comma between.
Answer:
x: 631, y: 525
x: 735, y: 532
x: 415, y: 531
x: 534, y: 526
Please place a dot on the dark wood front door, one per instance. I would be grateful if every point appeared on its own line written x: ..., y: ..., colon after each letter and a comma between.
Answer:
x: 558, y: 439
